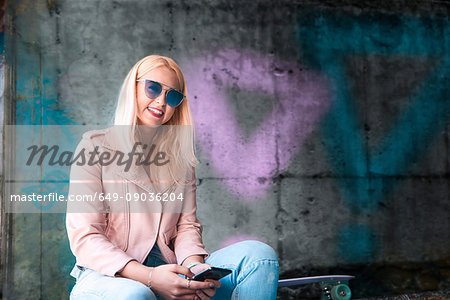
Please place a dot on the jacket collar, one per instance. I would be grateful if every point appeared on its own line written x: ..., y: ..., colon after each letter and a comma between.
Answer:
x: 112, y: 140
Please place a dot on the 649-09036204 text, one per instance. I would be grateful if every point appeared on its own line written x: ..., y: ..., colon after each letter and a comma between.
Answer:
x: 59, y: 197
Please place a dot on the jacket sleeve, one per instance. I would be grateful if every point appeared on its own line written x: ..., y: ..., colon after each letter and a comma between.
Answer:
x: 86, y: 221
x: 189, y: 237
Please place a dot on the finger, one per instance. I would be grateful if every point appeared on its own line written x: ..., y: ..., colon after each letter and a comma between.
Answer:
x: 199, y: 268
x: 188, y: 297
x: 187, y: 286
x: 182, y: 270
x: 209, y: 292
x: 184, y: 293
x: 202, y: 295
x: 196, y: 285
x: 217, y: 283
x: 192, y: 291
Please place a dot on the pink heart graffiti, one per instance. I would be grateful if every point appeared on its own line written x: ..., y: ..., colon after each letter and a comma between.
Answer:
x: 302, y: 96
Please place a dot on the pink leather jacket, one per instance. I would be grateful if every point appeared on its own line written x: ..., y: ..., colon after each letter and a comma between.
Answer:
x: 106, y: 241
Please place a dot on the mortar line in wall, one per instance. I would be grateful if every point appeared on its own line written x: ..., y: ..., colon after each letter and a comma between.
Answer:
x: 366, y: 139
x: 40, y: 256
x: 447, y: 147
x: 11, y: 55
x: 278, y: 215
x: 41, y: 169
x: 172, y: 27
x: 328, y: 176
x: 279, y: 227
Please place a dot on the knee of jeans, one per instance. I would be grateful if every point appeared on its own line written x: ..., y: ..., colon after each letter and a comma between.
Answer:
x: 258, y: 250
x: 137, y: 292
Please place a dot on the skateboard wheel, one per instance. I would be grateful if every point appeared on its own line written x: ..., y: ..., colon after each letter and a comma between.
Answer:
x: 341, y: 292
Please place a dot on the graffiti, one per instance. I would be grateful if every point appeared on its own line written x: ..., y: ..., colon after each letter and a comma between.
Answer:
x: 54, y: 182
x: 301, y: 98
x: 37, y: 105
x: 41, y: 112
x: 364, y: 173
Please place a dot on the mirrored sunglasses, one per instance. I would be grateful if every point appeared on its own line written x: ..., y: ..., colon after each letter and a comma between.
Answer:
x: 153, y: 89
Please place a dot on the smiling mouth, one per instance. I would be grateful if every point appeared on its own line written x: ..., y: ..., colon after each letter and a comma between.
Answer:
x: 155, y: 112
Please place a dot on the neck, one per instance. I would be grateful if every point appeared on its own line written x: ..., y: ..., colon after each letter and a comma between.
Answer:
x: 145, y: 133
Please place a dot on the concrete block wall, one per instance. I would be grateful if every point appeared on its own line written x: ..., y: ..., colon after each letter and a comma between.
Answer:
x: 322, y: 127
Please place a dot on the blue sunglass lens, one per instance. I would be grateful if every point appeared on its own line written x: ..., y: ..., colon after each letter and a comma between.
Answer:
x: 152, y: 89
x: 174, y: 98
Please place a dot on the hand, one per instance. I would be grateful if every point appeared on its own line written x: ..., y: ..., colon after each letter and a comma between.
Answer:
x: 199, y: 268
x: 205, y: 294
x: 166, y: 282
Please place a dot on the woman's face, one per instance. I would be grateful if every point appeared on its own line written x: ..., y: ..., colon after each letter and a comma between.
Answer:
x: 148, y: 108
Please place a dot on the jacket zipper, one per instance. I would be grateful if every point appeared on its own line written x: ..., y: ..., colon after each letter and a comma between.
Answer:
x: 127, y: 217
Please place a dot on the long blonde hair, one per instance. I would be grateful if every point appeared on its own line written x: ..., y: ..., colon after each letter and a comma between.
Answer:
x: 178, y: 139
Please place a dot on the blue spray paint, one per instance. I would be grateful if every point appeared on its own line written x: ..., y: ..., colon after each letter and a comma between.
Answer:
x: 55, y: 181
x: 326, y: 40
x: 37, y: 105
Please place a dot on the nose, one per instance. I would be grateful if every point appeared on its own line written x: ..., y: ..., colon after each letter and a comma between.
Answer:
x: 162, y: 97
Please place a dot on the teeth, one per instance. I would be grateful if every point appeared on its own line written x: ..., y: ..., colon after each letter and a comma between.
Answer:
x: 155, y: 111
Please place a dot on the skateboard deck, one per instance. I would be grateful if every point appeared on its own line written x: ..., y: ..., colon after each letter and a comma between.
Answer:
x: 334, y: 287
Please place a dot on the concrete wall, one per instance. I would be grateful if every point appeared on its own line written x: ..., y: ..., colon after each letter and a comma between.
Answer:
x: 327, y: 136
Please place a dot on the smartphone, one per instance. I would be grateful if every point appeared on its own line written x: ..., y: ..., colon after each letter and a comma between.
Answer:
x: 211, y: 273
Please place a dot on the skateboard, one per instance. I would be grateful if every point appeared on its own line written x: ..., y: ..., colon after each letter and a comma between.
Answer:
x: 334, y: 287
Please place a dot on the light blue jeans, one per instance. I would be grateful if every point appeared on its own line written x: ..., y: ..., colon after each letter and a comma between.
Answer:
x: 255, y: 276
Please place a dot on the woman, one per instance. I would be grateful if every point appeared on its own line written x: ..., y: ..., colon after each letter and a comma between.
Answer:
x: 129, y: 249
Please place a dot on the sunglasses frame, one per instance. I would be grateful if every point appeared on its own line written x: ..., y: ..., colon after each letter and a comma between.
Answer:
x: 162, y: 84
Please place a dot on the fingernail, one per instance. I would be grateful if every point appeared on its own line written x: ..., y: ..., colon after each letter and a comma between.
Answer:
x: 211, y: 285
